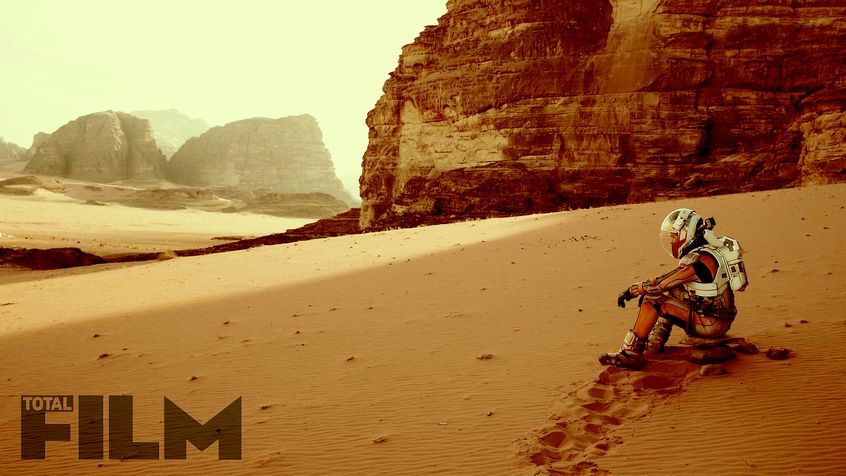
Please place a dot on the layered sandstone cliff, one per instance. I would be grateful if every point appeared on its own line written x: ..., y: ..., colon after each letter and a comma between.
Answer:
x: 100, y: 147
x: 280, y: 155
x: 523, y: 106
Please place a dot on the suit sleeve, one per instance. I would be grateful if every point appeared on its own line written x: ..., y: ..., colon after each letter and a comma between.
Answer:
x: 695, y: 267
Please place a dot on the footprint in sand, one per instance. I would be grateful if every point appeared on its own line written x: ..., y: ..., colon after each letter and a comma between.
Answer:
x: 583, y: 421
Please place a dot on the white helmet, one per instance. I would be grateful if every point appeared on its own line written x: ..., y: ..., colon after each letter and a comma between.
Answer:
x: 679, y: 231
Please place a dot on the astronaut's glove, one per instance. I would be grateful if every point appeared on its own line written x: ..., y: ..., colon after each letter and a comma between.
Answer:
x: 623, y: 297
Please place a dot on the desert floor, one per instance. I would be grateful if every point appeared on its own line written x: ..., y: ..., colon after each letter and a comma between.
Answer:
x: 360, y: 354
x: 48, y: 220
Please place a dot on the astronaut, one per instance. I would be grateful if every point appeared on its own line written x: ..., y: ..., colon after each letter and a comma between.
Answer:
x: 698, y: 295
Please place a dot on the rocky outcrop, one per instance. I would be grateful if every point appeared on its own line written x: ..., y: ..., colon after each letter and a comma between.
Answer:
x: 171, y: 128
x: 280, y: 155
x: 10, y: 152
x: 30, y: 185
x: 526, y: 106
x: 100, y: 147
x: 53, y: 258
x: 38, y: 139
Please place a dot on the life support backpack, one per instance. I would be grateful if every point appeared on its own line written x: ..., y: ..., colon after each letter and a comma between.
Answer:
x: 731, y: 271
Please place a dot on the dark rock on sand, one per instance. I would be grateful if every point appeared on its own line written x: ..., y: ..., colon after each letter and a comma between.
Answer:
x: 53, y: 258
x: 711, y: 356
x: 778, y: 353
x: 709, y: 370
x: 746, y: 348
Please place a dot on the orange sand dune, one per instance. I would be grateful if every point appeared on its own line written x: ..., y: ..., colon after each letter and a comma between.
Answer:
x: 359, y: 354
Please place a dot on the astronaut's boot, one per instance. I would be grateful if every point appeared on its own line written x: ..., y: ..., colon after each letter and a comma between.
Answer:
x: 659, y: 335
x: 629, y: 356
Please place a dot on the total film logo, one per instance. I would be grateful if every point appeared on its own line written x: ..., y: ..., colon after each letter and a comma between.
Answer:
x: 179, y: 428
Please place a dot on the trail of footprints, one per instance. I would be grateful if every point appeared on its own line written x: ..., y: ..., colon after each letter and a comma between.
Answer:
x: 583, y: 421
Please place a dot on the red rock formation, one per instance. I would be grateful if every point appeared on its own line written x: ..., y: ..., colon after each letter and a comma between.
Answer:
x: 524, y: 106
x: 101, y: 147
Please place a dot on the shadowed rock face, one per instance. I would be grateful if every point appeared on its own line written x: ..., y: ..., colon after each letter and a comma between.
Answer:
x: 524, y: 106
x: 100, y: 147
x: 281, y: 155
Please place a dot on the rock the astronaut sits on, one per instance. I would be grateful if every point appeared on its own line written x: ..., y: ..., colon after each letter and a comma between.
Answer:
x: 698, y: 295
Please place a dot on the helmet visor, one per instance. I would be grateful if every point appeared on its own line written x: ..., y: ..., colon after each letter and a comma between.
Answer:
x: 671, y: 243
x: 670, y: 234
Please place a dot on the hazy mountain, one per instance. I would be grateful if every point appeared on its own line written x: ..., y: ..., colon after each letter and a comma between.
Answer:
x: 171, y: 128
x: 10, y: 151
x: 100, y: 147
x: 280, y: 155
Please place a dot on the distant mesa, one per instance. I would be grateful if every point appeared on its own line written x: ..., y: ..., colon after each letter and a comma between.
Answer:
x: 276, y: 167
x: 10, y: 152
x: 523, y: 107
x: 171, y: 128
x: 284, y: 155
x: 100, y: 147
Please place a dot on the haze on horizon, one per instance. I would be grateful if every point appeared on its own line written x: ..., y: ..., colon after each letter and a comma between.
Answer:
x: 219, y: 62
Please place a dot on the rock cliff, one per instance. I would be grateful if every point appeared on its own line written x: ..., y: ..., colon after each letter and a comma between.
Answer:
x: 280, y: 155
x: 100, y: 147
x: 38, y: 139
x: 524, y: 106
x: 10, y: 152
x: 171, y: 128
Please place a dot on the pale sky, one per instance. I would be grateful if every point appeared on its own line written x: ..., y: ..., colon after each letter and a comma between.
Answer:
x: 219, y: 61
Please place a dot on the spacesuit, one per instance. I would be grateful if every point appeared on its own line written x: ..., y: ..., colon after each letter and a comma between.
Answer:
x: 696, y: 295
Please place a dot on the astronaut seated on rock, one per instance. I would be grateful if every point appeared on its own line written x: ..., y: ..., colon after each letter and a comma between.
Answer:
x: 697, y: 295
